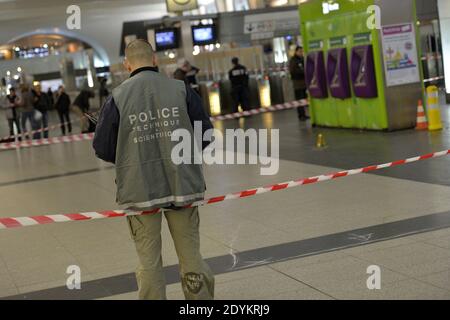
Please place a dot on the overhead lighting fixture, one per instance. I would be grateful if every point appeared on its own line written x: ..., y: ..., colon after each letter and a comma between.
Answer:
x: 278, y: 3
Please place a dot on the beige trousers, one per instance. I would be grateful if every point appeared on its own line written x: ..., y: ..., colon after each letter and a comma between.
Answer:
x: 197, y: 280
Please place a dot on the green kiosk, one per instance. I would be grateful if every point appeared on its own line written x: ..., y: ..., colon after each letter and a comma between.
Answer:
x: 362, y: 63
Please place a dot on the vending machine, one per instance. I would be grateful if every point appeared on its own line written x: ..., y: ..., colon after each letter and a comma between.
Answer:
x: 315, y: 75
x: 360, y: 72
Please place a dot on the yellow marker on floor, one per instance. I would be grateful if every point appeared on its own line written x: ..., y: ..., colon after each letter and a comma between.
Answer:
x: 320, y: 142
x: 434, y: 114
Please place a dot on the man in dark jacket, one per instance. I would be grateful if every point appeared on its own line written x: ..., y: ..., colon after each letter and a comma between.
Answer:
x: 81, y: 105
x: 188, y: 73
x: 103, y: 91
x: 134, y: 132
x: 42, y: 104
x: 238, y: 76
x: 62, y: 105
x: 12, y: 113
x: 50, y: 97
x: 297, y: 71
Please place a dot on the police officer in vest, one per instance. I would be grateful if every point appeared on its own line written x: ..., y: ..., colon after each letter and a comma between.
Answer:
x: 238, y: 76
x: 134, y: 132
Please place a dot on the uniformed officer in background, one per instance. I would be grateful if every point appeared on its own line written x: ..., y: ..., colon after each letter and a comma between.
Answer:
x: 297, y: 71
x: 238, y: 76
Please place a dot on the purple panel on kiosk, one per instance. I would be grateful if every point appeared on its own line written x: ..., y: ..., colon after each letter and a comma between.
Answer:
x: 315, y: 75
x: 337, y: 73
x: 363, y: 72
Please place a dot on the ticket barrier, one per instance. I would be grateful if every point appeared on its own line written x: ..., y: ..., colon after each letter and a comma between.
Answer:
x: 225, y: 96
x: 281, y: 88
x: 209, y: 92
x: 276, y: 88
x: 254, y: 92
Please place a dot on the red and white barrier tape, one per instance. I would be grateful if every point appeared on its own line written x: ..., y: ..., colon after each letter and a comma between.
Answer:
x: 90, y: 136
x: 256, y: 70
x: 276, y: 107
x: 44, y: 142
x: 49, y: 128
x: 6, y: 223
x: 30, y: 133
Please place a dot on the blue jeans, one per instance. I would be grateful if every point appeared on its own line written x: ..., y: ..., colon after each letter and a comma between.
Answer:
x: 30, y: 116
x: 44, y: 121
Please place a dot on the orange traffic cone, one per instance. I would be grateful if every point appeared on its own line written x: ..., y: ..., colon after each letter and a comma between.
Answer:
x: 421, y: 123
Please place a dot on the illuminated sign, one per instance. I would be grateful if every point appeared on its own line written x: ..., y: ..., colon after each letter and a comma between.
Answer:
x: 328, y: 7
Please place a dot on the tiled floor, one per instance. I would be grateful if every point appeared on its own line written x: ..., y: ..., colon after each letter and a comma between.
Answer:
x: 68, y: 178
x: 407, y: 272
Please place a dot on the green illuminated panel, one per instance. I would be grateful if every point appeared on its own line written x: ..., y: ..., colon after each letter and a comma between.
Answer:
x: 344, y: 28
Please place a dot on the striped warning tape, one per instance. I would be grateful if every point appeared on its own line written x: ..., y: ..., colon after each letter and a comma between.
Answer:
x: 32, y: 132
x: 255, y: 70
x: 90, y: 136
x: 276, y: 107
x: 6, y: 223
x: 49, y: 128
x: 48, y: 141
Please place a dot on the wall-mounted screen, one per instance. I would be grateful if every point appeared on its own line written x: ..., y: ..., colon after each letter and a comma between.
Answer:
x: 166, y: 39
x: 204, y: 34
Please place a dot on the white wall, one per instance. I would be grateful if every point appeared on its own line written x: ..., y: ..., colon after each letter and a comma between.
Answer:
x: 101, y: 21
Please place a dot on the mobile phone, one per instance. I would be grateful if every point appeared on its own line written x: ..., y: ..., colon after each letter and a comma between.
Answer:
x: 91, y: 117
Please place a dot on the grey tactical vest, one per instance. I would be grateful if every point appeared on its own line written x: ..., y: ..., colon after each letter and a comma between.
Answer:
x: 151, y: 107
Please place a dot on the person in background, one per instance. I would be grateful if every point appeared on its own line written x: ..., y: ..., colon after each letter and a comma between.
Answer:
x: 62, y: 105
x: 190, y: 75
x: 51, y: 98
x: 28, y: 112
x: 42, y: 104
x: 82, y: 105
x: 297, y: 71
x: 179, y: 75
x: 238, y: 76
x: 102, y: 91
x: 148, y: 178
x: 12, y: 113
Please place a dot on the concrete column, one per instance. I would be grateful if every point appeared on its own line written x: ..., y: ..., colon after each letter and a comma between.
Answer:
x: 90, y: 68
x: 67, y: 71
x: 444, y: 23
x: 257, y: 4
x: 225, y: 5
x: 186, y: 40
